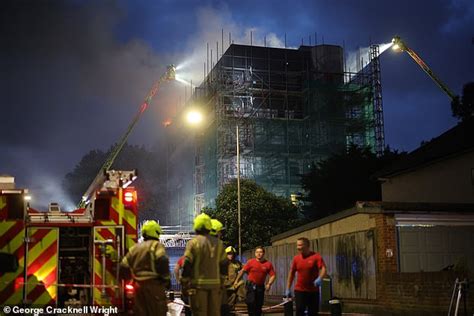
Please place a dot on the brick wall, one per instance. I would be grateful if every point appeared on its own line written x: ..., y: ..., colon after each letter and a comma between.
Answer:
x: 386, y: 240
x: 421, y: 291
x: 428, y: 292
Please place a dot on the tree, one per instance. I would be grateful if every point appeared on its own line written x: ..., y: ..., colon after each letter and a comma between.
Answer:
x: 463, y: 108
x: 338, y: 182
x: 263, y: 214
x: 150, y: 184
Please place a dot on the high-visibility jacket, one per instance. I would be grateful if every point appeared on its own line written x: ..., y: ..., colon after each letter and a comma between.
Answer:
x: 207, y: 260
x: 233, y: 270
x: 147, y: 260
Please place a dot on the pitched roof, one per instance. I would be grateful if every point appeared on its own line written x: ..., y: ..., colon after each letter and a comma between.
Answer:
x: 457, y: 140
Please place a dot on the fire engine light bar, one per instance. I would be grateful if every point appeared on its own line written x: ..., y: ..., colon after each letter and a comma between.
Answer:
x: 126, y: 184
x: 11, y: 191
x: 128, y: 197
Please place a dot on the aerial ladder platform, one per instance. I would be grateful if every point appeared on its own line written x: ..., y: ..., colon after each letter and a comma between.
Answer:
x: 101, y: 177
x: 399, y: 44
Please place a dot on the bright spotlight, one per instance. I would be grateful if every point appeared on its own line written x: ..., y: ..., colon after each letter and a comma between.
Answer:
x: 27, y: 197
x: 170, y: 72
x: 398, y: 44
x: 179, y: 79
x: 183, y: 64
x: 194, y: 117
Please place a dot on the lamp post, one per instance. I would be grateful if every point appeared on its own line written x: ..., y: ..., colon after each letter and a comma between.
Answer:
x: 194, y: 117
x: 238, y: 191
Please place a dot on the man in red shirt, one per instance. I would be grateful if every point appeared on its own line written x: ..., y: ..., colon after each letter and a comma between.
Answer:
x: 311, y: 270
x: 257, y: 270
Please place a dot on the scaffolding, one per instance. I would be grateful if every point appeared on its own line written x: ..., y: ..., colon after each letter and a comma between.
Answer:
x: 293, y: 107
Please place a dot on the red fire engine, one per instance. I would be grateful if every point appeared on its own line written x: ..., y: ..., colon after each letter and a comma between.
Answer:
x: 69, y: 258
x: 72, y: 258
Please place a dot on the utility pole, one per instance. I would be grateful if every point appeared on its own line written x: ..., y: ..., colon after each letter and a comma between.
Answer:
x: 238, y: 192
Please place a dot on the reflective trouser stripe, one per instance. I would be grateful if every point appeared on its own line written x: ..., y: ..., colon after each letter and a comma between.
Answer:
x: 206, y: 281
x: 145, y: 275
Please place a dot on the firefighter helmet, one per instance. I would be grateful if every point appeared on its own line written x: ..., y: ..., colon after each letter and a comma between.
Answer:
x: 151, y: 229
x: 230, y: 249
x: 216, y: 227
x: 202, y: 221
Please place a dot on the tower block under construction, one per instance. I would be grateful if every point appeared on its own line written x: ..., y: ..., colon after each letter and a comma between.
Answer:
x: 293, y: 108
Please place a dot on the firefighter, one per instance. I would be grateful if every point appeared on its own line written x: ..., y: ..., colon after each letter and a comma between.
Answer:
x: 258, y: 269
x: 204, y: 267
x: 149, y: 266
x: 233, y: 269
x: 216, y: 228
x: 310, y: 269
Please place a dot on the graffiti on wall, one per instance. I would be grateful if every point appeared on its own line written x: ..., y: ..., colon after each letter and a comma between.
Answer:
x: 350, y: 263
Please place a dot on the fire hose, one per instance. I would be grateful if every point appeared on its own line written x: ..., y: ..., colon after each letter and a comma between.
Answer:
x: 285, y: 300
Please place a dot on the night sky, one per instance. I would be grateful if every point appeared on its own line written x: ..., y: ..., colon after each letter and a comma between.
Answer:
x: 72, y: 73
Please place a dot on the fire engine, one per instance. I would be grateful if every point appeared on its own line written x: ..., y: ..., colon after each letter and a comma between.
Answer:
x: 69, y: 258
x: 72, y: 258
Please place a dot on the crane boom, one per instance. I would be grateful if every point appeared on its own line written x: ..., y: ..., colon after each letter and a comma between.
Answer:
x: 169, y: 75
x: 398, y: 43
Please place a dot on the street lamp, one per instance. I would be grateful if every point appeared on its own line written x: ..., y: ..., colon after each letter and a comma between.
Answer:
x: 238, y: 190
x: 195, y: 117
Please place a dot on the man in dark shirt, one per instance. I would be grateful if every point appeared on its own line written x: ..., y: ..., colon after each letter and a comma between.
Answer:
x: 311, y: 270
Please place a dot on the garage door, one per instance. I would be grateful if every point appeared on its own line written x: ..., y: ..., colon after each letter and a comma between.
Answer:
x: 432, y: 248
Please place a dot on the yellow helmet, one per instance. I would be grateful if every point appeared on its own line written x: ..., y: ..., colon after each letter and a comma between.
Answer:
x: 230, y: 249
x: 202, y: 221
x: 151, y: 229
x: 216, y: 227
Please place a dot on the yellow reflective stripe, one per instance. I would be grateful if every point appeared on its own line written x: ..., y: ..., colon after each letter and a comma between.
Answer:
x: 117, y: 206
x: 43, y: 244
x: 160, y: 252
x: 44, y: 298
x: 3, y: 202
x: 144, y: 278
x: 11, y: 247
x: 197, y: 258
x: 15, y: 243
x: 125, y: 262
x: 5, y: 226
x: 207, y: 281
x: 44, y: 271
x: 152, y: 256
x: 15, y: 298
x: 218, y: 258
x: 130, y: 241
x: 145, y: 275
x: 97, y: 296
x: 130, y: 218
x: 156, y: 252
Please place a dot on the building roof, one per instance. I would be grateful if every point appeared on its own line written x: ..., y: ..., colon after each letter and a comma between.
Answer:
x: 456, y: 141
x: 378, y: 207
